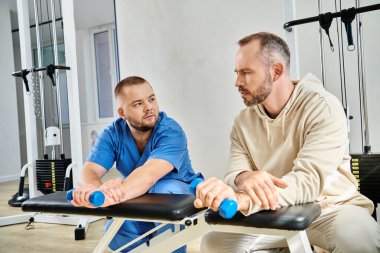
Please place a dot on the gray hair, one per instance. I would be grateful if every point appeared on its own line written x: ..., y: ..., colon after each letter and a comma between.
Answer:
x: 271, y: 46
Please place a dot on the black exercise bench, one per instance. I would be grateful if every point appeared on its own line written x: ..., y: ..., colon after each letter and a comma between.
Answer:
x: 288, y: 222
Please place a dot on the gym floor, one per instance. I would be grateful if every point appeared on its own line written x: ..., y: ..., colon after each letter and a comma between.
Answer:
x: 48, y: 237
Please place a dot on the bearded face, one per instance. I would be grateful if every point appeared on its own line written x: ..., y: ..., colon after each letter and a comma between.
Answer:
x: 256, y: 96
x: 138, y: 106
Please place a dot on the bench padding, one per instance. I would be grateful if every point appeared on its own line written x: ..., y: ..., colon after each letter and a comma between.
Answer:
x: 175, y: 207
x: 172, y: 207
x: 297, y: 217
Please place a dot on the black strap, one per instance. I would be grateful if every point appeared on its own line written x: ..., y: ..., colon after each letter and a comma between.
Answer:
x: 325, y: 21
x: 347, y: 17
x: 50, y: 70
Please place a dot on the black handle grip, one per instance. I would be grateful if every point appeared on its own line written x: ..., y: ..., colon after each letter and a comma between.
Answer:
x: 350, y: 40
x: 23, y: 73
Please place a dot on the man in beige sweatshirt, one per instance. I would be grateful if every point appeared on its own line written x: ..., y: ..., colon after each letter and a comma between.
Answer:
x: 289, y: 146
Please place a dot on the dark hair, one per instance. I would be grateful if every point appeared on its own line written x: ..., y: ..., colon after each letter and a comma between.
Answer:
x: 270, y: 44
x: 129, y: 81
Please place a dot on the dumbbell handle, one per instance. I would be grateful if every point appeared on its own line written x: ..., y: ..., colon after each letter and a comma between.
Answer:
x: 96, y: 198
x: 227, y: 209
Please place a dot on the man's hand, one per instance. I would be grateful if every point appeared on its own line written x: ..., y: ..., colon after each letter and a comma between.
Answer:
x: 81, y: 195
x: 261, y: 187
x: 211, y: 193
x: 114, y: 190
x: 88, y: 182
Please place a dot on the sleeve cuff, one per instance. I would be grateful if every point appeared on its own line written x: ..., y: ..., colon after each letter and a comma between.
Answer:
x: 230, y: 179
x: 251, y: 208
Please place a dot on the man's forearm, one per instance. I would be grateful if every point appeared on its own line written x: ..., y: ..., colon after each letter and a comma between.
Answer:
x: 144, y: 177
x: 91, y: 174
x: 136, y: 184
x: 89, y: 177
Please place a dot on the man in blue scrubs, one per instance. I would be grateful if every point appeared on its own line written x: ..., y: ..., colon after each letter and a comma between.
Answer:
x: 150, y: 151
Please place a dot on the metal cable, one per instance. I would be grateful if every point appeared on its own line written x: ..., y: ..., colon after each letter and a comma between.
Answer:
x: 342, y: 50
x: 341, y: 70
x: 60, y: 14
x: 51, y: 38
x: 360, y: 90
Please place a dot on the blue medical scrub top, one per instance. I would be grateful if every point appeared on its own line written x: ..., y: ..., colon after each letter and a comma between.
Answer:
x: 168, y: 142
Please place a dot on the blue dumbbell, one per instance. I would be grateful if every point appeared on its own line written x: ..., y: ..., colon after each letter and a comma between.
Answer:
x: 96, y: 198
x: 227, y: 209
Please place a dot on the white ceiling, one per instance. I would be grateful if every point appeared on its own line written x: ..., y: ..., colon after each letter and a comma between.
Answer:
x: 92, y: 13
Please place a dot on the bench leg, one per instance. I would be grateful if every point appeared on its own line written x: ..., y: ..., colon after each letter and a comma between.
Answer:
x: 141, y: 237
x: 180, y: 238
x: 107, y: 237
x: 162, y: 236
x: 298, y: 242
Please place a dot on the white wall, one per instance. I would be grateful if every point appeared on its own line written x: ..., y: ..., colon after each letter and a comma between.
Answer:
x: 87, y: 91
x: 186, y: 50
x: 9, y: 135
x: 309, y: 61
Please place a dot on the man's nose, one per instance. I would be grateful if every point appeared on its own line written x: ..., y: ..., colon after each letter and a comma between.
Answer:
x: 148, y: 107
x: 239, y: 81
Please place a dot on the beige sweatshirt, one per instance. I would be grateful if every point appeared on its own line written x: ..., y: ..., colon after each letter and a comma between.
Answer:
x: 306, y: 145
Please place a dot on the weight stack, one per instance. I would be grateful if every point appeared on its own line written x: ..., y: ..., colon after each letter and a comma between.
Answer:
x: 50, y: 175
x: 366, y: 169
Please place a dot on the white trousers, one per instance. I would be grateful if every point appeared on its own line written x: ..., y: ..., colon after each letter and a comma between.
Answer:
x: 339, y: 229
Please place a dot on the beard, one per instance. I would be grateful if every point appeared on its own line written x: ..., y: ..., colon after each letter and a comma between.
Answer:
x: 140, y: 126
x: 261, y: 93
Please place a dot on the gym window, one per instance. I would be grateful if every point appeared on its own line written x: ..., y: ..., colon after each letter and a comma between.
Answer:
x: 103, y: 41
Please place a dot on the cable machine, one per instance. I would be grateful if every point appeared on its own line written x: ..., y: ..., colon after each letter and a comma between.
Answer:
x: 51, y: 172
x: 365, y: 166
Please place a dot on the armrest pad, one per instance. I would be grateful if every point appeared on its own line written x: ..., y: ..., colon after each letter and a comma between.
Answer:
x: 297, y: 217
x: 149, y: 206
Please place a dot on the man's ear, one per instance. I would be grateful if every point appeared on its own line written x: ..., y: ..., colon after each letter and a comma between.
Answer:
x: 277, y: 70
x: 120, y: 112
